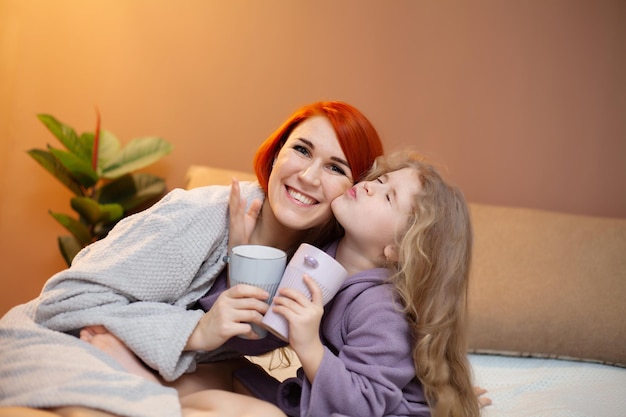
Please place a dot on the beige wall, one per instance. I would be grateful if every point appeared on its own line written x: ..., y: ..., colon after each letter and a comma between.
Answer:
x: 522, y: 100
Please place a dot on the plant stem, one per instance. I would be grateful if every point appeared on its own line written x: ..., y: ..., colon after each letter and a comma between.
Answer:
x: 96, y: 143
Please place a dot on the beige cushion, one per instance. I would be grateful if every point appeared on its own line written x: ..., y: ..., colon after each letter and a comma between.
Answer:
x: 199, y: 175
x: 548, y: 284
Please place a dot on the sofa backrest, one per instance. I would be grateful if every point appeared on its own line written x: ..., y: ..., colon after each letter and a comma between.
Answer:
x: 548, y: 284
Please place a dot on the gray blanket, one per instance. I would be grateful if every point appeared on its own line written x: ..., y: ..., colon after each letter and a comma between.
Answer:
x: 139, y: 282
x: 44, y: 368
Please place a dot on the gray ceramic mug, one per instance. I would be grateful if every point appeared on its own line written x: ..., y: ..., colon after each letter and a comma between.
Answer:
x: 258, y: 265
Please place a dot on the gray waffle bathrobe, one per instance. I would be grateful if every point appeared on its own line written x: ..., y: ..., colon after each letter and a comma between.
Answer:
x: 138, y: 282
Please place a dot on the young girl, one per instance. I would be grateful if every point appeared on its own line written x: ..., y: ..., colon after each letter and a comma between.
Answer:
x: 402, y: 311
x: 392, y: 341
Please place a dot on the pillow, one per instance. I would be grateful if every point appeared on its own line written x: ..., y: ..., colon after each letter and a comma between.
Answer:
x: 548, y: 284
x: 198, y: 176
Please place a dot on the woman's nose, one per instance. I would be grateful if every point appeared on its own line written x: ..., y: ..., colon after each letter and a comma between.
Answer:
x: 311, y: 174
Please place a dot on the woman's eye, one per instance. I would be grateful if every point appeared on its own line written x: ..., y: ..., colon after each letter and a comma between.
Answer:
x: 301, y: 149
x: 338, y: 169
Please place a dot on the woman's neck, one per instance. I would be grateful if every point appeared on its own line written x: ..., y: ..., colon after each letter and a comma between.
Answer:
x: 270, y: 232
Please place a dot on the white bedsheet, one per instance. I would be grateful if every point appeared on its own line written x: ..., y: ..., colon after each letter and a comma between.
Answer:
x: 524, y: 387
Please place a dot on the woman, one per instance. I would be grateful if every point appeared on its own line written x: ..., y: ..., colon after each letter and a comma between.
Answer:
x: 392, y: 341
x: 140, y: 281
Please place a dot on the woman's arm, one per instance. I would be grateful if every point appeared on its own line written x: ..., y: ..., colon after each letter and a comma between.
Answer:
x: 229, y: 316
x: 139, y: 280
x: 235, y: 307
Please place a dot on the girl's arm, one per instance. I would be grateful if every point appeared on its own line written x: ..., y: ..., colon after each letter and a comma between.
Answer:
x: 367, y: 369
x: 304, y: 317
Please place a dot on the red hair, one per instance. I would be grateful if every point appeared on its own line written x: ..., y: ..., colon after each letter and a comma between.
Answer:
x: 357, y: 137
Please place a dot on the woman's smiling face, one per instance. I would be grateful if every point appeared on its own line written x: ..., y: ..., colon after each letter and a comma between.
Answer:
x: 309, y: 172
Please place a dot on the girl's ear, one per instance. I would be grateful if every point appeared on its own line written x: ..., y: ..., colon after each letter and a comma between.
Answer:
x: 391, y: 253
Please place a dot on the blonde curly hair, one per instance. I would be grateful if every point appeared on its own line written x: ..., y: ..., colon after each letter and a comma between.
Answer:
x: 431, y: 278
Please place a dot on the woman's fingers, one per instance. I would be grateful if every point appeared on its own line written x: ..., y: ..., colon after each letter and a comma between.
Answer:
x: 236, y: 208
x: 254, y: 211
x: 242, y: 222
x: 246, y: 291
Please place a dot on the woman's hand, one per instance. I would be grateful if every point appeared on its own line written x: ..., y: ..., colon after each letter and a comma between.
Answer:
x: 241, y: 222
x: 230, y: 316
x: 304, y: 317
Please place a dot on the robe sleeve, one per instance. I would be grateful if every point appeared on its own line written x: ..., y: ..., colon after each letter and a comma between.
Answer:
x: 140, y: 280
x: 366, y: 377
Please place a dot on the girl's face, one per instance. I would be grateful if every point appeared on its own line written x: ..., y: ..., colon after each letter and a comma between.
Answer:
x: 374, y: 213
x: 309, y: 172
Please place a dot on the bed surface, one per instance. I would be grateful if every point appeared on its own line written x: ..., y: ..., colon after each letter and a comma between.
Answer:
x: 531, y: 387
x: 521, y: 387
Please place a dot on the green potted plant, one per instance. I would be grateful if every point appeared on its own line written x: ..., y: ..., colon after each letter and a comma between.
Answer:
x: 101, y: 175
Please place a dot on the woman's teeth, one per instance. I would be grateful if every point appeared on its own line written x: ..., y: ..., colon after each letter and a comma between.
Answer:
x: 301, y: 197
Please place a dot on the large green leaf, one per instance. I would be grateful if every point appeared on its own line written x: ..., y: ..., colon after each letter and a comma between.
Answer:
x: 76, y: 228
x: 95, y: 213
x: 67, y: 136
x: 79, y: 168
x: 132, y: 190
x: 109, y: 149
x: 138, y: 154
x: 69, y: 247
x: 86, y: 139
x: 54, y: 166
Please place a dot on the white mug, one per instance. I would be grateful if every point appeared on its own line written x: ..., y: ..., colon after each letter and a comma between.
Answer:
x: 325, y: 271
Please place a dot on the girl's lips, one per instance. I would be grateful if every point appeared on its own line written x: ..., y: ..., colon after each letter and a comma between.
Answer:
x: 352, y: 192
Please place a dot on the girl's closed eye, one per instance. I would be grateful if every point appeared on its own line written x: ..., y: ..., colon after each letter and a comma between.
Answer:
x: 387, y: 196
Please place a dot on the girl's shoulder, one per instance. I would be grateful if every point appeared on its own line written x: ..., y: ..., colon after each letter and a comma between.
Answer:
x: 369, y: 289
x: 370, y: 301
